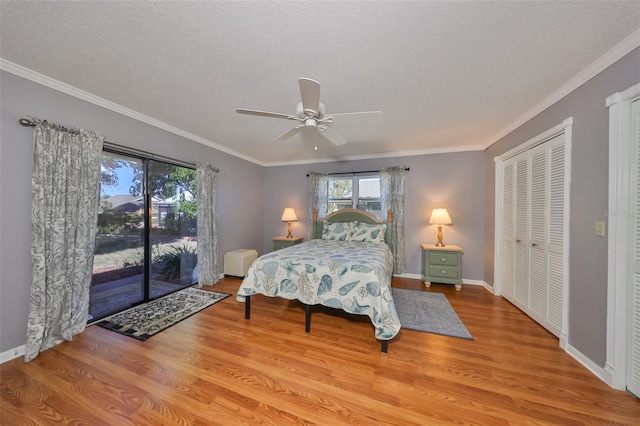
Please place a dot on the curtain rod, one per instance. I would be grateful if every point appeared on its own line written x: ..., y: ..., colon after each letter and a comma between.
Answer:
x: 110, y: 146
x: 357, y: 173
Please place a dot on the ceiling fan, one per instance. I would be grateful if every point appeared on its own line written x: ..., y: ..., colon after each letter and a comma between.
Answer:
x: 310, y: 114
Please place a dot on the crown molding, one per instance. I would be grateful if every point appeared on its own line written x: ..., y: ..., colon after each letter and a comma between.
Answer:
x: 67, y: 89
x: 394, y: 154
x: 54, y: 84
x: 606, y: 60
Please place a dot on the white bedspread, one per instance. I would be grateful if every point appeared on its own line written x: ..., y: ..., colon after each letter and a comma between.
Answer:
x: 352, y: 276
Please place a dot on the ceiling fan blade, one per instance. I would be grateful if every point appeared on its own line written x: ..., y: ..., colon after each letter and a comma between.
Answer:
x: 310, y: 94
x: 333, y: 137
x: 289, y: 133
x: 265, y: 113
x: 363, y: 113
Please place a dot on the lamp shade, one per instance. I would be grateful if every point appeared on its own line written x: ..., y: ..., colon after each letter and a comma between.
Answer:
x: 289, y: 215
x: 440, y: 217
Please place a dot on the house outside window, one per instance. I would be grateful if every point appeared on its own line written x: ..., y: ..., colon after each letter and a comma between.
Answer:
x: 361, y: 192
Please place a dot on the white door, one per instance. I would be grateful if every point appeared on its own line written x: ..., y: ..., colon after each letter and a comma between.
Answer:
x: 532, y: 269
x: 521, y: 216
x: 556, y: 237
x: 633, y: 369
x: 508, y: 230
x: 537, y: 288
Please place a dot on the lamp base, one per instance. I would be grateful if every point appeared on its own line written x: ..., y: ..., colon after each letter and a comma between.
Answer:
x: 439, y: 243
x: 289, y: 230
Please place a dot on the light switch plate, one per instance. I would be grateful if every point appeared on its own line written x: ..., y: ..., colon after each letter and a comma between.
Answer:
x: 598, y: 229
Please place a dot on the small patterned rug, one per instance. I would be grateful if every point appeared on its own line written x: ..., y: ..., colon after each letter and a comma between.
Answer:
x: 143, y: 321
x: 429, y: 312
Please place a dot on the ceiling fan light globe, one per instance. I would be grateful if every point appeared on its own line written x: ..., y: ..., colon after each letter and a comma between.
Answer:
x: 310, y: 122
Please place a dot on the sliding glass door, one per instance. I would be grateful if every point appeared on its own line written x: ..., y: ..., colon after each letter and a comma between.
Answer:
x: 118, y: 262
x: 172, y: 234
x: 146, y: 244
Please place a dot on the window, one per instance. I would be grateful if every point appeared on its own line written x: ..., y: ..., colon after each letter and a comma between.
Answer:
x: 361, y: 192
x: 146, y: 243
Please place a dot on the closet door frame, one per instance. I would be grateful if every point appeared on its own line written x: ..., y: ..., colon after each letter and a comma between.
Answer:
x: 619, y: 242
x: 563, y: 128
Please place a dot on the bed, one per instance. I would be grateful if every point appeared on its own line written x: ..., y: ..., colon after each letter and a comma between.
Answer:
x: 346, y: 265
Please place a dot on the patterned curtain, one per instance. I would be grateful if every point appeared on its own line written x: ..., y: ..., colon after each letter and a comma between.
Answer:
x: 208, y: 259
x: 318, y: 186
x: 64, y: 213
x: 392, y: 197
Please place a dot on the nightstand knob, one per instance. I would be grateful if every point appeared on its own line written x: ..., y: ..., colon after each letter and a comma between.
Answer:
x: 443, y: 259
x: 444, y: 272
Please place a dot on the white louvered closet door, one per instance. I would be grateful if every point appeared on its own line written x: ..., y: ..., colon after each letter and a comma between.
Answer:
x: 555, y: 235
x: 633, y: 369
x: 521, y: 216
x: 537, y: 297
x: 508, y: 230
x: 533, y: 233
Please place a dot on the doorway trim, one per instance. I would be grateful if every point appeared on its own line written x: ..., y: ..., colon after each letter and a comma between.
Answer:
x: 619, y: 239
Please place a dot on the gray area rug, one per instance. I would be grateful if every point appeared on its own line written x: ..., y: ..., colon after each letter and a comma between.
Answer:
x: 428, y: 312
x: 143, y: 321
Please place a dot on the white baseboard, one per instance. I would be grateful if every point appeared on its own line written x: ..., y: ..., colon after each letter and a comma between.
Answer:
x: 12, y: 354
x: 481, y: 283
x: 407, y: 275
x: 464, y: 281
x: 597, y: 371
x: 612, y: 377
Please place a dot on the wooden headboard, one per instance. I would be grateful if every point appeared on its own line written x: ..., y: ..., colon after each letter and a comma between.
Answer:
x: 349, y: 215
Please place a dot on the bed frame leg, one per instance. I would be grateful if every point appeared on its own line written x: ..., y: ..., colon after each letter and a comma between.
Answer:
x: 247, y: 307
x: 307, y: 318
x: 384, y: 345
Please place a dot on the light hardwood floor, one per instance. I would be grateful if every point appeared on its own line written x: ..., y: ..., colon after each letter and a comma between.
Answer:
x: 218, y: 368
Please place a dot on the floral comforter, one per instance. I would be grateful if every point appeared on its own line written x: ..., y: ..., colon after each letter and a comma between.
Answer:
x: 348, y: 275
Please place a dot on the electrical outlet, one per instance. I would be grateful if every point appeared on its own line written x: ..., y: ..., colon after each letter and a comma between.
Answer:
x: 598, y: 229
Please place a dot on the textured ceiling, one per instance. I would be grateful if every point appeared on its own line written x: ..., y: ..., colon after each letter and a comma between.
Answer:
x: 448, y: 76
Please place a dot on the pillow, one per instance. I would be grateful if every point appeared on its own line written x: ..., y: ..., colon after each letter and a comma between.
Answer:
x: 337, y: 231
x: 371, y: 232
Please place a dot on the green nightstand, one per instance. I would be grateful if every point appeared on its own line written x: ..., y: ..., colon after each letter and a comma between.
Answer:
x: 442, y: 265
x: 282, y: 242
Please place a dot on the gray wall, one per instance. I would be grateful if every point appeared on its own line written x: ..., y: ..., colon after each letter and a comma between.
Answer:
x: 250, y: 212
x: 454, y: 181
x: 589, y: 182
x: 239, y: 190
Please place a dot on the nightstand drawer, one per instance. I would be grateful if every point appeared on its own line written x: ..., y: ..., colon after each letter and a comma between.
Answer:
x: 443, y: 258
x: 443, y: 271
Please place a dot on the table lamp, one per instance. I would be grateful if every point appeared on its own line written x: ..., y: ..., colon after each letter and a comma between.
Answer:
x: 289, y: 215
x: 440, y: 217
